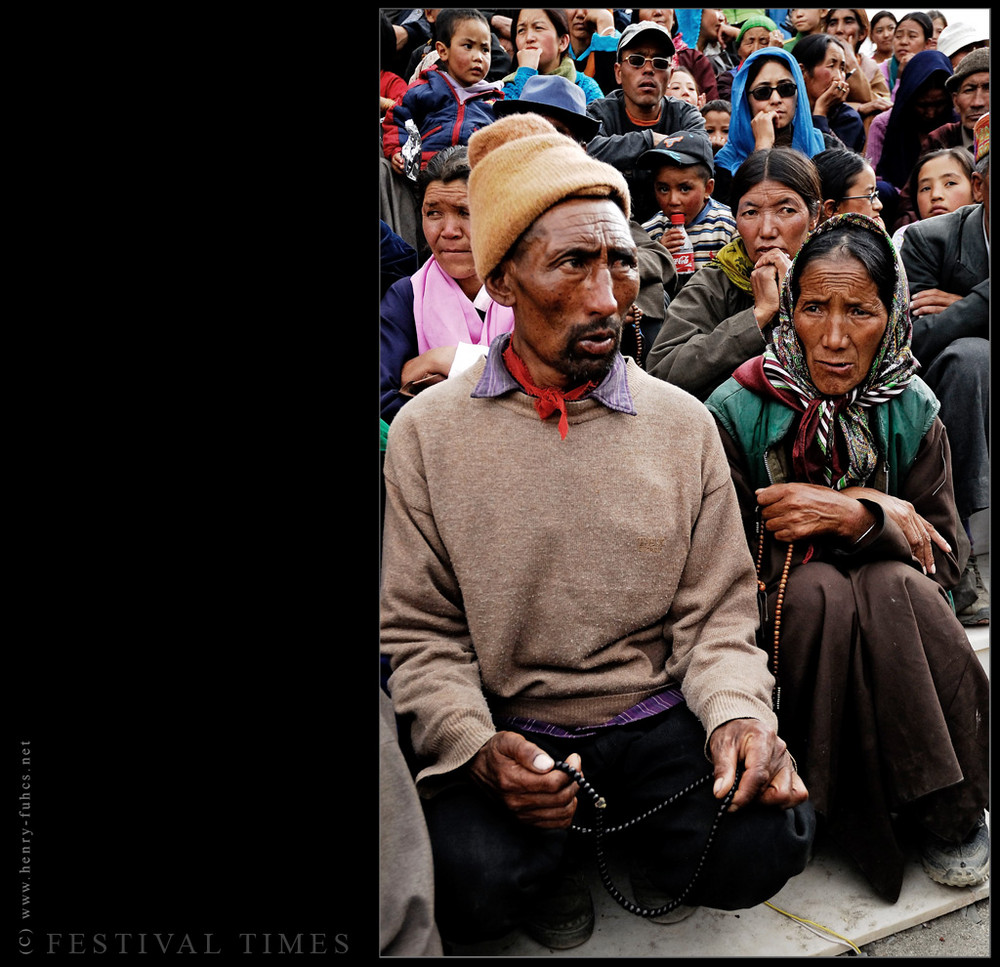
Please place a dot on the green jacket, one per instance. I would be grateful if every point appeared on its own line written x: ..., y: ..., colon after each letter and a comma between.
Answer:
x: 758, y: 425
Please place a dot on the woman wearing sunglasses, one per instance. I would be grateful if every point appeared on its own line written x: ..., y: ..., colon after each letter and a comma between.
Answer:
x: 770, y: 110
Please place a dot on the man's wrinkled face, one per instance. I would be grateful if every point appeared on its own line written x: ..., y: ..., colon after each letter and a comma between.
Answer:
x: 570, y: 281
x: 972, y: 99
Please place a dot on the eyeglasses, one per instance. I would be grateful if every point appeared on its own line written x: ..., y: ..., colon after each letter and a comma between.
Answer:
x: 638, y: 62
x: 873, y: 197
x: 784, y: 89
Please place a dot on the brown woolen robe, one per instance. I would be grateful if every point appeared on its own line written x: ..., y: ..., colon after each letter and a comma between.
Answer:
x: 883, y: 701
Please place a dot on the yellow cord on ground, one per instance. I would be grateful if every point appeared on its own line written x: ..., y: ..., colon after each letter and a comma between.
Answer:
x: 812, y: 923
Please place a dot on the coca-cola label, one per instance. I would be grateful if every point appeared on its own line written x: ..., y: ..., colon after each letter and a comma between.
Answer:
x: 684, y: 262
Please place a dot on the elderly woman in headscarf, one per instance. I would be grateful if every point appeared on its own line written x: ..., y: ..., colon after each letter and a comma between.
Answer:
x: 843, y: 472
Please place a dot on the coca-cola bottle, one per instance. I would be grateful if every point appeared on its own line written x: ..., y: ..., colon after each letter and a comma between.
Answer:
x: 684, y: 256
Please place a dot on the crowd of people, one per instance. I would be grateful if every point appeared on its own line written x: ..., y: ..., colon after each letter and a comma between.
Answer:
x: 659, y: 523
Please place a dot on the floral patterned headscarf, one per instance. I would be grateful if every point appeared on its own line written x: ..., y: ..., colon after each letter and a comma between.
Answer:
x: 834, y: 444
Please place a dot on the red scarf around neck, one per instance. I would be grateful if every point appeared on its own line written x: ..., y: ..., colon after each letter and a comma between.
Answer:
x: 548, y: 400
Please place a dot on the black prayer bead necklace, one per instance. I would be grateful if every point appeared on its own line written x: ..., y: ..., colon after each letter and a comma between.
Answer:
x: 599, y: 831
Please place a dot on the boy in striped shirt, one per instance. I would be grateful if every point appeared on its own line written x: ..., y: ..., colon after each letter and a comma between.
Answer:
x: 683, y: 178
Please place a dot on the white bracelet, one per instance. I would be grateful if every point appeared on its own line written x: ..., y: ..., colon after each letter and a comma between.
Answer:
x: 864, y: 535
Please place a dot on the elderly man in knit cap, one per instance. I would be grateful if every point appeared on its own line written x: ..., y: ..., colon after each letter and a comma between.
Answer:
x: 947, y: 261
x: 566, y: 586
x: 969, y: 88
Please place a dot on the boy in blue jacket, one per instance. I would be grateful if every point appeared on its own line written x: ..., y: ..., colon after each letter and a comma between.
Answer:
x: 450, y: 100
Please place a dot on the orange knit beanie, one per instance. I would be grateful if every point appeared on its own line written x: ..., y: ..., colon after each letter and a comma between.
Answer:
x: 521, y: 167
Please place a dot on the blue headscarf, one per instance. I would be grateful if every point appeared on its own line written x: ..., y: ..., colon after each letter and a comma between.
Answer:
x: 741, y: 144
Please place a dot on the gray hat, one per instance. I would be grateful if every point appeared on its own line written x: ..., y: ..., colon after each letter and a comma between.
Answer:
x: 974, y: 63
x: 553, y: 96
x: 634, y: 31
x: 683, y: 148
x: 958, y: 35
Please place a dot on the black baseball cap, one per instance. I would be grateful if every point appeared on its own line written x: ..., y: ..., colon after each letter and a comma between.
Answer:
x: 684, y: 148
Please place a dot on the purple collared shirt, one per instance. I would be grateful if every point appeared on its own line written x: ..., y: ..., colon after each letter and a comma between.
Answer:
x: 496, y: 380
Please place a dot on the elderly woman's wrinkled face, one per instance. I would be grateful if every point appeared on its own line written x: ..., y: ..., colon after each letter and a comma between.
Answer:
x: 445, y: 219
x: 753, y: 39
x: 839, y: 319
x: 844, y: 23
x: 773, y: 216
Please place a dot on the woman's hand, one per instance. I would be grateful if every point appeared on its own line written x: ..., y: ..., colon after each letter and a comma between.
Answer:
x: 529, y: 57
x: 600, y: 21
x: 765, y: 280
x: 836, y: 93
x: 794, y: 511
x: 762, y: 125
x: 522, y: 776
x: 920, y: 533
x: 769, y: 775
x: 434, y: 362
x: 875, y: 106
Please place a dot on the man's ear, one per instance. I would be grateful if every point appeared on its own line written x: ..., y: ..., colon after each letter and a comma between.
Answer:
x: 977, y: 187
x: 498, y: 286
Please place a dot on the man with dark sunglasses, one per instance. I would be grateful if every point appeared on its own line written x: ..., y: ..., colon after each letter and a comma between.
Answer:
x: 639, y: 115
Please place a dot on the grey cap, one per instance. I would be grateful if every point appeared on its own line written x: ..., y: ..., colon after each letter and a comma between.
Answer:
x: 974, y: 63
x: 634, y: 31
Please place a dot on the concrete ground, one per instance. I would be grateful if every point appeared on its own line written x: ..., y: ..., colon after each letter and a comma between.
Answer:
x: 962, y: 933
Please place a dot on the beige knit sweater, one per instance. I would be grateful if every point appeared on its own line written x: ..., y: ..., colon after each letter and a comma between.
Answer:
x: 564, y: 580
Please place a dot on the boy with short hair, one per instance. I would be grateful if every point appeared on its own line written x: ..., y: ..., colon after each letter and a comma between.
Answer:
x: 683, y: 178
x: 717, y: 115
x: 451, y: 99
